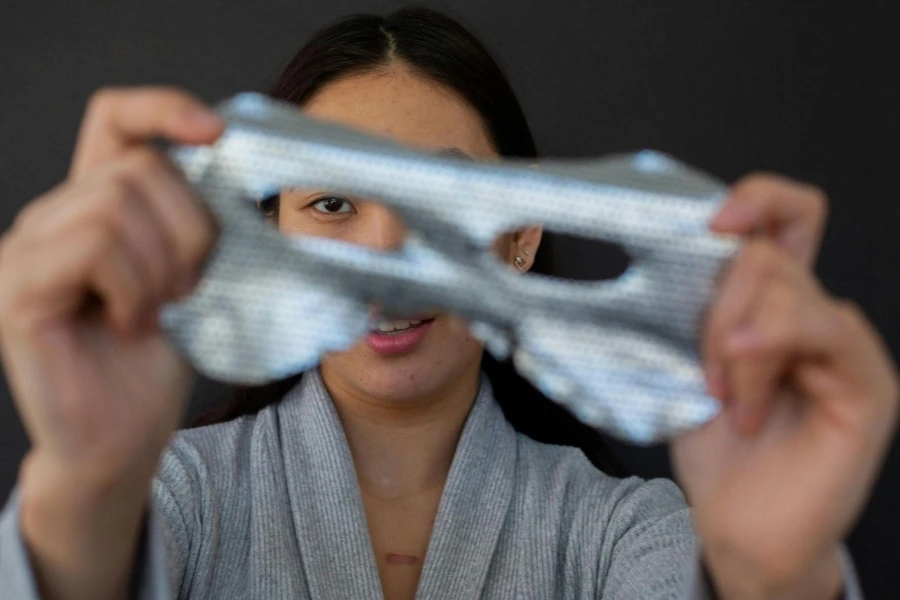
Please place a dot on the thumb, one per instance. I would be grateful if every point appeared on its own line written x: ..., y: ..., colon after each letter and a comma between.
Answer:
x: 790, y: 213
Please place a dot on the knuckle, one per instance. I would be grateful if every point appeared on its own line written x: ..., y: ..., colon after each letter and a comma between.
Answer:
x: 117, y: 201
x: 28, y: 215
x: 786, y: 308
x: 105, y: 237
x: 10, y: 290
x: 761, y: 254
x: 784, y: 298
x: 174, y: 92
x: 6, y: 240
x: 194, y: 256
x: 762, y: 185
x: 102, y: 100
x: 850, y: 315
x: 818, y: 201
x: 23, y: 218
x: 780, y: 339
x: 201, y: 237
x: 753, y: 182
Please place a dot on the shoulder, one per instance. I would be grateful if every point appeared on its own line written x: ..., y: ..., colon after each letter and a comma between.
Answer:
x: 604, y: 528
x: 561, y: 477
x: 215, y: 460
x: 211, y: 444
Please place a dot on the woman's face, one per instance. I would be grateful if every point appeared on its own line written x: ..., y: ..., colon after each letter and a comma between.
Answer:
x: 423, y: 359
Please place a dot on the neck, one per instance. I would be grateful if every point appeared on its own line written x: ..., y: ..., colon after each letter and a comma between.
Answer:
x: 401, y: 449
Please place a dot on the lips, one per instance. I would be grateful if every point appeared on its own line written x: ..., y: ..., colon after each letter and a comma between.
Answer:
x: 398, y: 341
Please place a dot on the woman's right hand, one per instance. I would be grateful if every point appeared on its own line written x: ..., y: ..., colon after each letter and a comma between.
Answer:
x: 83, y: 272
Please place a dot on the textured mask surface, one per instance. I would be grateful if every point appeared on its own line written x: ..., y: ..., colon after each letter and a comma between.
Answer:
x: 621, y: 354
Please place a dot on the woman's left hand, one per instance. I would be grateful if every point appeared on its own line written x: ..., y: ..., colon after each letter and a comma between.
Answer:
x: 810, y: 404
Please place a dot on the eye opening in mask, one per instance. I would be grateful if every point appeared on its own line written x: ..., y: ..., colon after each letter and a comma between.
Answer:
x: 588, y: 259
x: 567, y: 257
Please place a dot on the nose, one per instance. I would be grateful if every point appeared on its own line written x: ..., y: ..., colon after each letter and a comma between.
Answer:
x: 383, y: 230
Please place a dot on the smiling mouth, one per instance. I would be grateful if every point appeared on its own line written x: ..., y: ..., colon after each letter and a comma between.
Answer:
x: 397, y: 337
x: 380, y: 325
x: 396, y: 326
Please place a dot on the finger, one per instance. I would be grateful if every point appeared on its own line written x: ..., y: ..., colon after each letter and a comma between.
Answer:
x: 188, y: 228
x: 117, y: 281
x: 793, y: 214
x: 856, y: 364
x: 759, y: 354
x: 738, y: 291
x: 39, y: 283
x: 95, y: 200
x: 143, y: 189
x: 117, y: 118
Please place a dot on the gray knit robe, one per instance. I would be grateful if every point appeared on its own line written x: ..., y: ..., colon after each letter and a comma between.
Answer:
x: 268, y: 506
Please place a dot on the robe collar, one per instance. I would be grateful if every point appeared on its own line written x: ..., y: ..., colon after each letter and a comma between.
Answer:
x: 327, y: 508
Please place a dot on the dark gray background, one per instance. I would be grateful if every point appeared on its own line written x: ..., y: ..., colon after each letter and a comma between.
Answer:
x: 732, y: 87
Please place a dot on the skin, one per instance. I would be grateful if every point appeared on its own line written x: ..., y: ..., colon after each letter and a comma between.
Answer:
x: 776, y: 481
x: 420, y: 399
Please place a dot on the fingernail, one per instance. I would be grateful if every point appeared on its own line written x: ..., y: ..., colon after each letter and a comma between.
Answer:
x: 745, y: 338
x: 202, y: 117
x: 720, y: 218
x: 731, y: 215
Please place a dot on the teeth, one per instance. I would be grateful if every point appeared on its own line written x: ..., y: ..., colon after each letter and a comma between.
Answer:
x: 397, y: 325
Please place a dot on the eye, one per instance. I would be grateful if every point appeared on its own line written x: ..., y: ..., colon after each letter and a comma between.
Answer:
x: 332, y: 205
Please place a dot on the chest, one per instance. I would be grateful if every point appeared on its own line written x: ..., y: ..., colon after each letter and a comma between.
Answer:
x: 328, y: 543
x: 400, y: 530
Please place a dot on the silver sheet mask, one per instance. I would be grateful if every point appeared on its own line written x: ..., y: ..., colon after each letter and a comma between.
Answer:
x: 621, y: 354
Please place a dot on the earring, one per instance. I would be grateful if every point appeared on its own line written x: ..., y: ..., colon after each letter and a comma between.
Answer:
x: 526, y: 252
x: 520, y: 263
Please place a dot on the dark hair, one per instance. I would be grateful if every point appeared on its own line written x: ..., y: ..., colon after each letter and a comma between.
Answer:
x: 441, y: 50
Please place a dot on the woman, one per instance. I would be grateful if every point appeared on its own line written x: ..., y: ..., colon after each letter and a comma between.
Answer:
x: 339, y: 488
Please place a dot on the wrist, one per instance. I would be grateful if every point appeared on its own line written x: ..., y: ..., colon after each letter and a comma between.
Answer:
x: 60, y: 511
x: 737, y: 577
x: 50, y: 483
x: 81, y: 530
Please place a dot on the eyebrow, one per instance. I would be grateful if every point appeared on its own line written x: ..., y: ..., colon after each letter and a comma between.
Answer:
x: 454, y: 152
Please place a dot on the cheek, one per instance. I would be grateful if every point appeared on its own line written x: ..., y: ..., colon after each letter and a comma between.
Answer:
x: 454, y: 331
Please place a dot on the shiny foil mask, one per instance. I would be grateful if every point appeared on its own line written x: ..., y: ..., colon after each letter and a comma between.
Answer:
x: 621, y: 355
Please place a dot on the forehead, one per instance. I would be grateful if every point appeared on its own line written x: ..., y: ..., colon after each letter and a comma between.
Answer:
x: 404, y: 107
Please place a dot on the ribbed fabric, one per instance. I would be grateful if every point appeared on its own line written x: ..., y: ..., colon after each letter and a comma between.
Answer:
x: 268, y: 506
